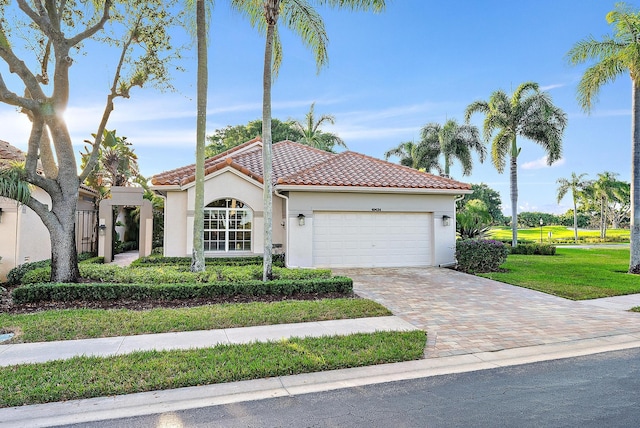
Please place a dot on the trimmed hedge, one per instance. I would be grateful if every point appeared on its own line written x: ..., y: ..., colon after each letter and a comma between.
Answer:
x: 534, y: 249
x: 175, y: 274
x: 278, y: 260
x: 480, y: 255
x: 112, y: 291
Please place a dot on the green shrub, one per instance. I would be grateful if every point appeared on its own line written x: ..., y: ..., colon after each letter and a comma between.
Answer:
x: 93, y: 260
x: 114, y: 291
x: 534, y: 249
x: 278, y: 260
x: 480, y: 255
x: 164, y: 274
x: 15, y: 275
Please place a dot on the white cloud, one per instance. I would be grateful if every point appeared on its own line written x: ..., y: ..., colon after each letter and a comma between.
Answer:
x: 15, y: 128
x: 552, y: 86
x: 542, y: 163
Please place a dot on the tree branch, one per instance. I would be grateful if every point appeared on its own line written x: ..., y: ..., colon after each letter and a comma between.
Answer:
x: 93, y: 158
x: 90, y: 31
x: 11, y: 98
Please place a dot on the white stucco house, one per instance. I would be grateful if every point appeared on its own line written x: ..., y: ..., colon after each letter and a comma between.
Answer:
x: 23, y: 236
x: 329, y: 210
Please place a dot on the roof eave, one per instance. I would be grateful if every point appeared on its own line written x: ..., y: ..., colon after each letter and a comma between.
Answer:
x: 361, y: 189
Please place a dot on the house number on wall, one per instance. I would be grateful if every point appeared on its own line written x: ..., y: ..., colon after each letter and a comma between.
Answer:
x: 377, y: 210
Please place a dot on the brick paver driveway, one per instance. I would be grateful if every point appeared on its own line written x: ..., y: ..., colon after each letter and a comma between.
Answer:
x: 466, y: 314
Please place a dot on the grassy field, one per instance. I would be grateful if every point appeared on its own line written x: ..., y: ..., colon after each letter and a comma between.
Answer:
x: 558, y: 233
x: 89, y: 323
x: 573, y: 273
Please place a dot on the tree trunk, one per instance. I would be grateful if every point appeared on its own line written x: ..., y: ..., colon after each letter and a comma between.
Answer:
x: 64, y: 256
x: 575, y: 220
x: 271, y: 15
x: 634, y: 264
x: 198, y: 263
x: 514, y: 200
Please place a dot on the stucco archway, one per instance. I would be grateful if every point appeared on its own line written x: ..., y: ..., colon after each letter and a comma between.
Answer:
x: 130, y: 196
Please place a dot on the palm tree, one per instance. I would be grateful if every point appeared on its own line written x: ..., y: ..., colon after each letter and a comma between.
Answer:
x: 455, y: 142
x: 615, y: 55
x: 197, y: 258
x: 313, y: 136
x: 528, y: 113
x: 417, y: 156
x: 576, y: 184
x: 604, y: 189
x: 300, y: 17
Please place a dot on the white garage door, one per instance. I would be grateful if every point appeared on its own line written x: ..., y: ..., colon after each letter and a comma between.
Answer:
x: 371, y: 239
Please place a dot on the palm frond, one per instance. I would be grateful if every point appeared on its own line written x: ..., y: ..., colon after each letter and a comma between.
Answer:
x: 13, y: 184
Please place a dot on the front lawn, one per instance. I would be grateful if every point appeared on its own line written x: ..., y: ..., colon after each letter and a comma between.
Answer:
x: 86, y: 377
x: 573, y: 273
x: 73, y: 324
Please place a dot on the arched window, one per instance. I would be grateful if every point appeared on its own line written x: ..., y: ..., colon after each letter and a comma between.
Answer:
x: 227, y: 226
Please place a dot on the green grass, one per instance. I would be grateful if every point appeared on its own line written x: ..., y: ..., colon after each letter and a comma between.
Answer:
x: 90, y: 323
x: 86, y: 377
x: 559, y: 233
x: 573, y: 273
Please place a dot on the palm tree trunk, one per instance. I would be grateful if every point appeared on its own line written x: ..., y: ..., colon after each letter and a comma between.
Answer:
x: 197, y: 263
x: 575, y: 220
x: 602, y: 219
x: 634, y: 264
x: 271, y: 9
x: 514, y: 200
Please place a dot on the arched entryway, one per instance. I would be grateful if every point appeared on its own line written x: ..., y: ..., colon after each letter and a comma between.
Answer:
x: 128, y: 196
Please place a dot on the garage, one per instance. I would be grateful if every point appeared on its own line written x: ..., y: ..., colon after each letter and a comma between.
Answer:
x: 371, y: 239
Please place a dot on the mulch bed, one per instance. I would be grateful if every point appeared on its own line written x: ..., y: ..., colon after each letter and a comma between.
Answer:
x: 7, y: 305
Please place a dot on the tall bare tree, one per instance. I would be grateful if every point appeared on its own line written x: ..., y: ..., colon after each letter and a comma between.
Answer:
x: 60, y: 29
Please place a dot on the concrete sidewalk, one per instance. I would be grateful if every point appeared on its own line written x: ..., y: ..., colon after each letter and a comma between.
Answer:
x: 23, y: 353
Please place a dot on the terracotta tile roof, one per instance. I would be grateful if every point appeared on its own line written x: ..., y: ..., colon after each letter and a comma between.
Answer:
x: 10, y: 153
x: 357, y: 170
x: 186, y: 174
x: 298, y: 164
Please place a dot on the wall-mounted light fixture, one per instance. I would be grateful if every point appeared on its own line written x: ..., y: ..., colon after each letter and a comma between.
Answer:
x: 0, y: 215
x: 446, y: 220
x: 102, y: 229
x: 301, y: 219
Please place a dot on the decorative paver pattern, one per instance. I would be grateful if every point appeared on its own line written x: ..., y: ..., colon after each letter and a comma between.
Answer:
x: 465, y: 314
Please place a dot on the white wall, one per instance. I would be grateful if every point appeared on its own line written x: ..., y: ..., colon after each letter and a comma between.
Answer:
x: 300, y: 250
x: 23, y: 236
x: 227, y: 183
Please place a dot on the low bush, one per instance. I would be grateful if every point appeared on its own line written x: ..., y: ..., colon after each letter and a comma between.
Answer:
x: 144, y: 291
x: 534, y: 249
x: 278, y: 260
x: 480, y: 255
x: 16, y: 274
x: 175, y: 274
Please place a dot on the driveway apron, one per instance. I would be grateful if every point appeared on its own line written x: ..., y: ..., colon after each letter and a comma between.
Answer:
x: 465, y: 314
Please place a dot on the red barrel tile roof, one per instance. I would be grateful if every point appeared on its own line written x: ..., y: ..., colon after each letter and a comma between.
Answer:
x: 297, y: 164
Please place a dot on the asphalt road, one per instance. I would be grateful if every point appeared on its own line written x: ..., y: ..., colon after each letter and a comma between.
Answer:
x: 601, y: 390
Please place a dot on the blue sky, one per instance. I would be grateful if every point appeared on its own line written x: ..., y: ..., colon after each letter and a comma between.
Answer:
x: 388, y: 75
